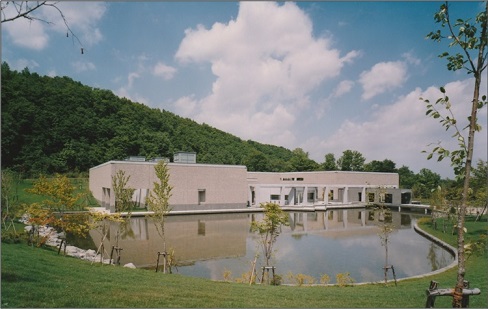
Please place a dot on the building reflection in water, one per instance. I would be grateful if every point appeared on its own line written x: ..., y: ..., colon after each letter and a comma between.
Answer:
x: 202, y: 242
x: 193, y: 237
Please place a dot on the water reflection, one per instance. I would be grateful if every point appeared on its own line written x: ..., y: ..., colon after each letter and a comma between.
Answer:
x: 314, y: 243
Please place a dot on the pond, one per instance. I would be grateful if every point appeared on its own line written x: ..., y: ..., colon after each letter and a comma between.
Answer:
x: 314, y: 244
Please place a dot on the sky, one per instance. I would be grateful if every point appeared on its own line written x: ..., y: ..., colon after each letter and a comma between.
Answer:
x: 322, y: 76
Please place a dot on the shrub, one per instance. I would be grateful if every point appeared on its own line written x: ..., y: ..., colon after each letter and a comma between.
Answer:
x: 13, y: 237
x: 324, y: 279
x: 344, y: 279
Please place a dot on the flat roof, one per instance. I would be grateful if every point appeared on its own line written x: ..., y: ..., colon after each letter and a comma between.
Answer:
x: 169, y: 164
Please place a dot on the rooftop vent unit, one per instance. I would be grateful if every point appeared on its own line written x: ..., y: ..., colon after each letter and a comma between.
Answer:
x: 185, y: 157
x: 136, y: 158
x: 157, y: 159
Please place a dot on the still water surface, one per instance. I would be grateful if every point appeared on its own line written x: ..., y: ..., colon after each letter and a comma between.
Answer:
x: 315, y: 243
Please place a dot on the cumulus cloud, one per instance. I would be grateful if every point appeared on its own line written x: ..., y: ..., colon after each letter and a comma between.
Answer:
x: 165, y: 71
x: 402, y: 130
x: 382, y: 77
x: 25, y: 34
x: 266, y: 63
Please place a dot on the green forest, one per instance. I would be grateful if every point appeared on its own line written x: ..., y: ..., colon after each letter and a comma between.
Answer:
x: 58, y: 125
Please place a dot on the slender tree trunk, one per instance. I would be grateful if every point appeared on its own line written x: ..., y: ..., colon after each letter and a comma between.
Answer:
x: 458, y: 290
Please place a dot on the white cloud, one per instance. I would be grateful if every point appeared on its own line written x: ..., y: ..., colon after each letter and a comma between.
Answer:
x: 27, y: 34
x: 344, y: 87
x: 400, y: 131
x: 186, y: 105
x: 82, y: 18
x: 382, y: 77
x: 22, y: 63
x: 131, y: 78
x: 163, y: 70
x: 124, y: 92
x: 410, y: 58
x: 266, y: 63
x: 82, y: 66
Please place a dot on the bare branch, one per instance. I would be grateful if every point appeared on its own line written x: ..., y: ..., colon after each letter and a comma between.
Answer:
x: 25, y: 11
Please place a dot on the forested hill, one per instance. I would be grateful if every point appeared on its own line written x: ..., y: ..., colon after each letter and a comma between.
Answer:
x: 55, y: 124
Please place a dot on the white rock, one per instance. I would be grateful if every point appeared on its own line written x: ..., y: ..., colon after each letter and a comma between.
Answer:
x: 130, y: 265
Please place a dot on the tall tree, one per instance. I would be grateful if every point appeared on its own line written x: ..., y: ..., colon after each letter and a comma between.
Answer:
x: 470, y: 38
x: 407, y: 177
x: 426, y: 181
x: 300, y: 161
x: 385, y: 166
x: 351, y: 160
x: 329, y: 163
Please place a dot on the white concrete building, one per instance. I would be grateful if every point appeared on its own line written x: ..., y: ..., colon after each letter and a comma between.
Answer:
x: 206, y: 186
x: 195, y: 186
x: 324, y: 187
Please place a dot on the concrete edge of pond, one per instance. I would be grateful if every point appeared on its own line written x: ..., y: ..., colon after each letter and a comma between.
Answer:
x: 246, y: 210
x: 437, y: 241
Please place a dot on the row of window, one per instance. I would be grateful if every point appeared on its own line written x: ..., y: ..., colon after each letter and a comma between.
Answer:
x: 292, y: 179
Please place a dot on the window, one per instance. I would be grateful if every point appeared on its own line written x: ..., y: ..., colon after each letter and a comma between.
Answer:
x: 310, y: 196
x: 371, y: 197
x: 389, y: 198
x: 201, y: 196
x: 274, y: 197
x: 299, y: 179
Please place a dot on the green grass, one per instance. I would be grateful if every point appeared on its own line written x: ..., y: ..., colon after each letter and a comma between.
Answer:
x: 33, y: 277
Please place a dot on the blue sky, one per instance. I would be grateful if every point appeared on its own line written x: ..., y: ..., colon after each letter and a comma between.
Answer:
x: 322, y: 76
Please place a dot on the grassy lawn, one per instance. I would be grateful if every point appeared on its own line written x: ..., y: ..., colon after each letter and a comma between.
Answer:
x: 34, y: 277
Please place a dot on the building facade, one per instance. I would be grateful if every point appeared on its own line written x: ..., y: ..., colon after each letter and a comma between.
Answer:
x: 207, y: 186
x: 324, y: 188
x: 195, y: 186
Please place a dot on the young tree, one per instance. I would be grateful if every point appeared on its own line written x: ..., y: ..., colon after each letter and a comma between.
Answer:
x: 123, y: 194
x: 270, y: 228
x: 470, y: 37
x: 8, y: 199
x: 123, y: 203
x: 158, y: 203
x: 60, y: 206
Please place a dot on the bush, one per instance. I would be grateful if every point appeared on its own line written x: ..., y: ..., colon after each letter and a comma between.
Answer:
x: 13, y: 237
x: 344, y: 279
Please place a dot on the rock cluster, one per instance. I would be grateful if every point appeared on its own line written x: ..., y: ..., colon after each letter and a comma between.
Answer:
x: 54, y: 239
